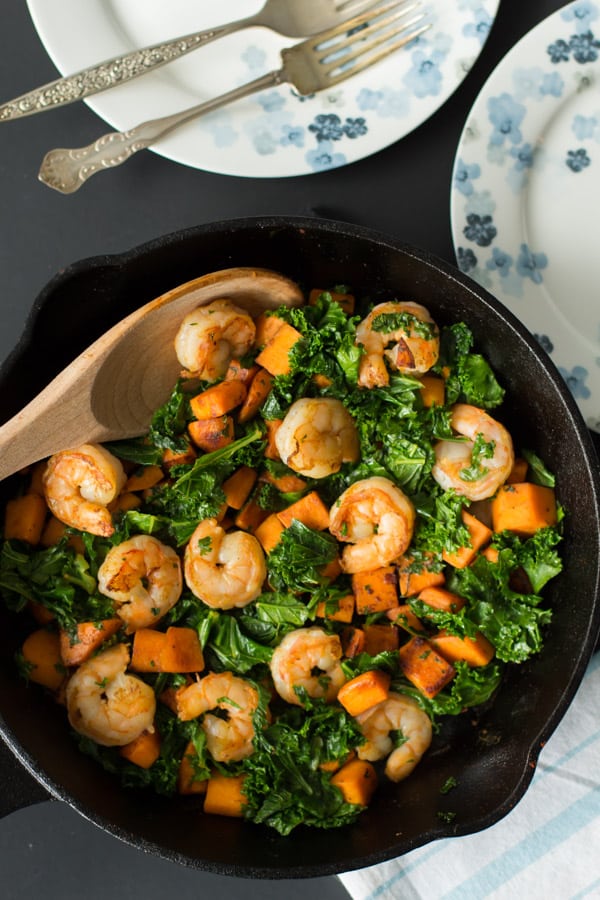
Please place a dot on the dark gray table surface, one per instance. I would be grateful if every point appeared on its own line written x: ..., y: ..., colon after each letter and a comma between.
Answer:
x: 403, y: 190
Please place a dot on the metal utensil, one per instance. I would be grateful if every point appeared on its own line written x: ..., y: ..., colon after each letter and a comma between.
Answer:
x: 292, y: 18
x: 313, y: 65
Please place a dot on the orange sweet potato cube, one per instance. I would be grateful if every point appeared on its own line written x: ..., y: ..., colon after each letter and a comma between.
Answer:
x: 274, y: 357
x: 357, y: 781
x: 310, y: 510
x: 479, y: 535
x: 343, y: 613
x: 376, y: 590
x: 144, y: 750
x: 424, y: 667
x: 225, y: 795
x: 181, y: 651
x: 410, y: 583
x: 475, y: 651
x: 523, y: 508
x: 364, y: 691
x: 380, y: 637
x: 269, y: 532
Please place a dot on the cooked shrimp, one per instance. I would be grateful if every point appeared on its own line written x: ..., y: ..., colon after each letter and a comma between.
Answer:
x: 230, y: 738
x: 224, y: 569
x: 415, y: 340
x: 377, y: 519
x: 211, y: 336
x: 396, y: 713
x: 316, y: 436
x: 478, y: 466
x: 308, y: 658
x: 106, y: 703
x: 80, y: 483
x: 143, y: 577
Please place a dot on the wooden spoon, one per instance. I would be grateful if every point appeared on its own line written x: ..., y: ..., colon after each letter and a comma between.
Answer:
x: 111, y: 390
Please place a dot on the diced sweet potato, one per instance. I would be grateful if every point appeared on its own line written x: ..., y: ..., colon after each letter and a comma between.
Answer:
x: 433, y: 390
x: 125, y: 501
x: 332, y: 570
x: 36, y: 482
x: 24, y: 518
x: 144, y: 750
x: 357, y: 780
x: 182, y: 651
x: 218, y: 400
x: 54, y: 530
x: 475, y: 651
x: 491, y: 554
x: 41, y: 650
x: 523, y: 508
x: 404, y: 617
x: 225, y: 796
x: 442, y: 599
x: 287, y: 484
x: 380, y: 637
x: 258, y: 391
x: 375, y: 591
x: 272, y: 426
x: 212, y: 434
x: 333, y: 765
x: 343, y: 613
x: 274, y: 357
x: 144, y: 477
x: 237, y: 487
x: 88, y: 637
x: 237, y: 372
x: 321, y: 381
x: 353, y: 641
x: 424, y: 667
x: 147, y: 649
x: 41, y: 613
x: 410, y: 583
x: 364, y: 691
x: 187, y: 782
x: 518, y: 473
x: 267, y: 327
x: 479, y: 534
x: 269, y: 532
x: 310, y: 510
x: 178, y: 650
x: 174, y: 458
x: 250, y: 516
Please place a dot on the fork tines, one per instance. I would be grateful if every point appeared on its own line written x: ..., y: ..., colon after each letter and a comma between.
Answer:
x: 371, y: 30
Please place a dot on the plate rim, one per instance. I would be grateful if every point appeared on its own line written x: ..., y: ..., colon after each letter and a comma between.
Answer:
x: 208, y: 159
x: 571, y: 346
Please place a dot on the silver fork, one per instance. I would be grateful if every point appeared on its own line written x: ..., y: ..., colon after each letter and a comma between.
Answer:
x: 291, y: 18
x: 313, y: 65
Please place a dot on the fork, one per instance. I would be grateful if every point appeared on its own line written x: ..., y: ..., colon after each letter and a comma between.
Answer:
x: 311, y: 66
x: 291, y: 18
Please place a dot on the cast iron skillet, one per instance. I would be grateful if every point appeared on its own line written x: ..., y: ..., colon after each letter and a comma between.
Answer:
x: 492, y: 758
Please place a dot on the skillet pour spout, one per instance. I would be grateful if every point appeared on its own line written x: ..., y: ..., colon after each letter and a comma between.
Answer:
x: 492, y: 756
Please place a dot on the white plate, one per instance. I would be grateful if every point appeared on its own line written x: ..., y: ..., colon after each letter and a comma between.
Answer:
x: 526, y: 191
x: 274, y: 133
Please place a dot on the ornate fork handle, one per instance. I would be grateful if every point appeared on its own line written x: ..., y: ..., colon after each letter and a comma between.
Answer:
x: 66, y: 170
x: 108, y: 74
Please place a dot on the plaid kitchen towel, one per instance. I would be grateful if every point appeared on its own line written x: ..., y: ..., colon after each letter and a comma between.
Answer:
x: 547, y: 847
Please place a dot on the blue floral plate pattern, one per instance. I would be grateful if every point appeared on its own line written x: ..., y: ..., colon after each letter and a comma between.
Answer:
x: 275, y: 133
x: 526, y: 188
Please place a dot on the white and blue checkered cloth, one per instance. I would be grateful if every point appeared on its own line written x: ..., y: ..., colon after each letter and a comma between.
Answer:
x: 547, y: 847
